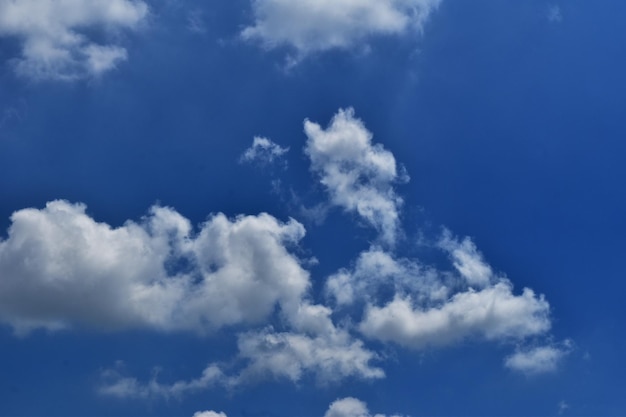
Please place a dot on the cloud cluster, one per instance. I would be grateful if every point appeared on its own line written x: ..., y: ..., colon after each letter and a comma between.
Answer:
x: 54, y: 35
x: 319, y: 25
x: 59, y: 267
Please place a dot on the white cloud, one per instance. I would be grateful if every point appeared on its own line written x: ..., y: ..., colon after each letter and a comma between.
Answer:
x: 349, y: 407
x: 60, y: 267
x: 357, y: 174
x: 54, y: 39
x: 467, y: 260
x: 538, y: 360
x: 492, y: 313
x: 292, y: 356
x: 264, y: 151
x: 208, y: 414
x: 319, y: 25
x: 376, y: 269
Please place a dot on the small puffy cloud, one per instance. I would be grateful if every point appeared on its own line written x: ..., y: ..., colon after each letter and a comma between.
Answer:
x: 55, y: 35
x: 493, y: 313
x: 347, y: 407
x: 357, y: 174
x: 208, y: 414
x: 263, y: 151
x: 538, y: 360
x: 60, y: 267
x: 319, y: 25
x: 350, y: 407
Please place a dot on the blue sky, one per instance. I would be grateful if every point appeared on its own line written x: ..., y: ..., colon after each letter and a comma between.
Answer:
x: 314, y: 208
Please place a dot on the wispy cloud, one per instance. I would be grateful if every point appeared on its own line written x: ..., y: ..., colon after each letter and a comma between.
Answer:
x: 263, y: 151
x: 554, y: 13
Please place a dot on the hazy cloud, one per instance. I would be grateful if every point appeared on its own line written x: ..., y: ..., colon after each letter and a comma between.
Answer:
x: 554, y: 14
x: 312, y: 25
x: 54, y: 35
x: 539, y: 359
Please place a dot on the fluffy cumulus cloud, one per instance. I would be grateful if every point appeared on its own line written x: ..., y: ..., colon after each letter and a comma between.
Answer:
x: 54, y: 35
x: 538, y: 360
x: 350, y: 407
x: 357, y: 174
x: 263, y: 151
x: 492, y: 313
x: 319, y: 25
x: 59, y: 266
x: 429, y: 307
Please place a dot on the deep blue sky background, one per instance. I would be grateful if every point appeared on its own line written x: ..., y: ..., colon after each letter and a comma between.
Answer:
x: 510, y: 125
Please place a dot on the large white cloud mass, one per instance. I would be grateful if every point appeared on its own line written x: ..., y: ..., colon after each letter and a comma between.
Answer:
x: 319, y: 25
x: 53, y: 34
x: 59, y: 266
x: 357, y: 174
